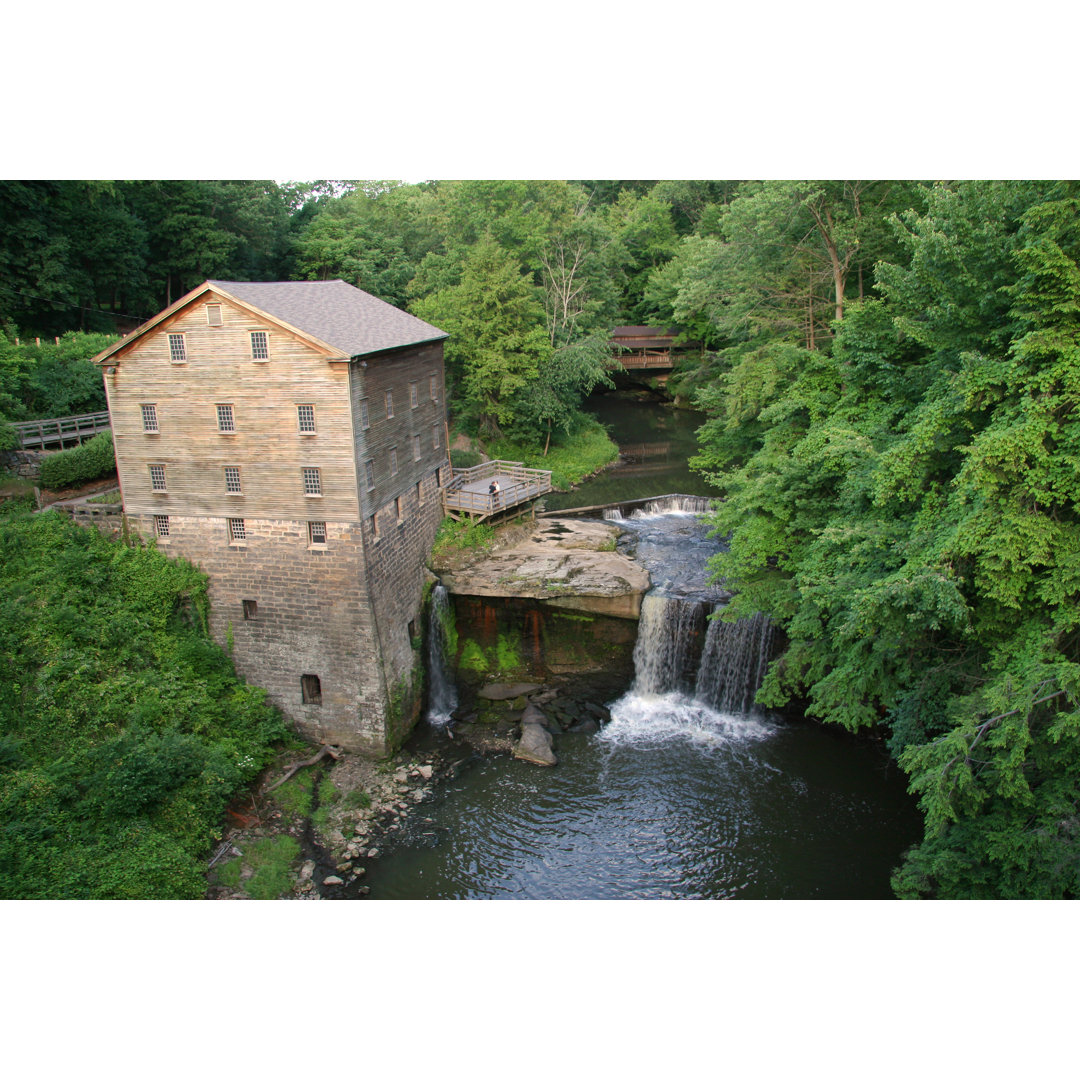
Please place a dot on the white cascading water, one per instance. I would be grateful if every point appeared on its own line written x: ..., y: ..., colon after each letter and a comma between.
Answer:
x: 695, y: 677
x: 442, y: 693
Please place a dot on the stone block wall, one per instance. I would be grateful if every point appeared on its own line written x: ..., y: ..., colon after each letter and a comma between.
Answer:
x: 312, y: 615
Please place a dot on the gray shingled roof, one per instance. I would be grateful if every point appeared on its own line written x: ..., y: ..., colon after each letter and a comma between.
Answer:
x: 336, y: 313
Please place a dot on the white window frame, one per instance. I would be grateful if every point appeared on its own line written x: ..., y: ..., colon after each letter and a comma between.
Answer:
x: 150, y: 420
x: 265, y: 346
x: 237, y: 531
x: 164, y: 486
x: 226, y: 420
x: 161, y: 526
x: 177, y: 349
x: 300, y: 419
x: 317, y: 533
x: 312, y: 480
x: 230, y: 480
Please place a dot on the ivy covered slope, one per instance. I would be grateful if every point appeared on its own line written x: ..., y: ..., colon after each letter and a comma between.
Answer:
x: 905, y: 501
x: 123, y: 727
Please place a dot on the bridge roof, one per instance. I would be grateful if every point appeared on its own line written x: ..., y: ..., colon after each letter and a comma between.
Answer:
x: 642, y: 336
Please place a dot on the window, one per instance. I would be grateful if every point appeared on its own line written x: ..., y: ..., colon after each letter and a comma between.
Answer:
x: 237, y: 530
x: 305, y: 417
x: 177, y: 349
x: 369, y: 473
x: 260, y: 345
x: 414, y: 395
x: 374, y: 519
x: 393, y: 462
x: 213, y: 314
x: 251, y: 609
x: 434, y: 436
x: 317, y: 532
x: 365, y: 423
x: 310, y: 690
x: 225, y: 420
x: 433, y: 388
x: 161, y: 524
x: 389, y: 404
x: 232, y: 480
x: 157, y: 478
x: 420, y: 492
x: 312, y: 481
x: 149, y: 418
x: 416, y: 448
x: 397, y: 510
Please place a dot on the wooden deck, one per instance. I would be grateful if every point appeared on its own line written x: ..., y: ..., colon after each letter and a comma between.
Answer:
x: 467, y: 493
x: 58, y: 433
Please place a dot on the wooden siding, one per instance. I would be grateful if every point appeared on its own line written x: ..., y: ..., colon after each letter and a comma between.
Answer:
x: 395, y: 371
x: 266, y: 445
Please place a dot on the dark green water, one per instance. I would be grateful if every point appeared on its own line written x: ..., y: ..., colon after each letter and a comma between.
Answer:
x: 672, y: 799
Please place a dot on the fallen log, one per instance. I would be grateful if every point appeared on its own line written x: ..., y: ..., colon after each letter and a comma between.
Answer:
x: 326, y: 751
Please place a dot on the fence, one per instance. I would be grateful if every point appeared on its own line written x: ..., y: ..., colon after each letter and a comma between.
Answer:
x: 43, y: 434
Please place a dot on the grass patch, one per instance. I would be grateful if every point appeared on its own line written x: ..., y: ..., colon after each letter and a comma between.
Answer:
x: 295, y: 795
x: 270, y: 860
x: 356, y: 799
x: 111, y: 497
x: 571, y: 458
x: 465, y: 535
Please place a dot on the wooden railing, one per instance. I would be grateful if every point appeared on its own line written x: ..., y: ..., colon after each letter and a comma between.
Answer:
x: 646, y: 359
x: 467, y: 492
x: 42, y: 434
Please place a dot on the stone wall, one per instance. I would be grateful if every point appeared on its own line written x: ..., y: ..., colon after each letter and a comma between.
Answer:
x: 24, y: 463
x: 312, y: 616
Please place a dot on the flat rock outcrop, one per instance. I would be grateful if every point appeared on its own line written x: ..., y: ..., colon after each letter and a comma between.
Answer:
x: 565, y: 562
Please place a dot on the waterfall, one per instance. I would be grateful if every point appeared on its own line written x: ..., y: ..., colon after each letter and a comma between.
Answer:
x: 733, y: 662
x: 718, y: 664
x: 442, y: 694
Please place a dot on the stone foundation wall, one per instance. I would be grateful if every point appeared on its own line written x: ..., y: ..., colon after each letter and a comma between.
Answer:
x: 312, y: 615
x: 24, y: 463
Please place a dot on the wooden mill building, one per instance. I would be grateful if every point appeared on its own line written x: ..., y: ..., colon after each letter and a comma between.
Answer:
x: 289, y: 439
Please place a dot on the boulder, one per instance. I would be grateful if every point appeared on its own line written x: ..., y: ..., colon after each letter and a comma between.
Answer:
x: 535, y: 745
x: 333, y: 879
x: 506, y: 691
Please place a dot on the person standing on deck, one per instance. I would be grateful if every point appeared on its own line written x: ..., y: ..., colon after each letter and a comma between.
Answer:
x: 493, y: 491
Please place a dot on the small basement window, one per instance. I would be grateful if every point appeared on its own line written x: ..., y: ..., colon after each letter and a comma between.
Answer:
x: 310, y: 690
x: 397, y: 510
x: 161, y: 524
x: 260, y: 345
x: 177, y: 349
x: 251, y: 609
x: 317, y: 532
x: 237, y: 531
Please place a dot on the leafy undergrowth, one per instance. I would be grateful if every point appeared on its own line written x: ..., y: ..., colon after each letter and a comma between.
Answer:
x: 124, y: 730
x: 570, y: 458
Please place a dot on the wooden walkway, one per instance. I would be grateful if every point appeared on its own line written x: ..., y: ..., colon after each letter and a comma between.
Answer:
x: 467, y: 494
x: 58, y: 433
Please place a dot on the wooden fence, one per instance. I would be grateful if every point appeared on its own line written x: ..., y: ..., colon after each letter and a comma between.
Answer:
x: 467, y: 493
x: 58, y: 433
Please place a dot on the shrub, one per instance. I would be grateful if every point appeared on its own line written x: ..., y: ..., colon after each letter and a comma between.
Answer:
x: 80, y: 464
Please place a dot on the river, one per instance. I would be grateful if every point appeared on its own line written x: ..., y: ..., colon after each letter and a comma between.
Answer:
x: 683, y: 794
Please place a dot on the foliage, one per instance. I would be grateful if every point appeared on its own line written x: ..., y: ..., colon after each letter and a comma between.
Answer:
x: 79, y: 465
x: 903, y: 503
x: 572, y: 456
x: 125, y: 730
x: 269, y: 864
x: 51, y: 379
x: 468, y: 534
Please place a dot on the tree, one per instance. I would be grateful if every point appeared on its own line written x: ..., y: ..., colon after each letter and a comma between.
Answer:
x: 498, y: 342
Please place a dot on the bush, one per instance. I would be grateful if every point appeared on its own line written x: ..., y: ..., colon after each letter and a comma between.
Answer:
x: 79, y: 465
